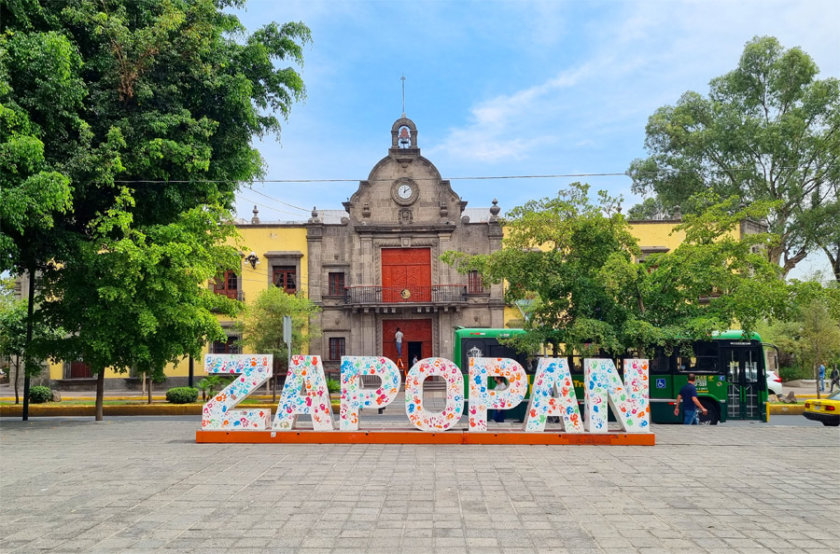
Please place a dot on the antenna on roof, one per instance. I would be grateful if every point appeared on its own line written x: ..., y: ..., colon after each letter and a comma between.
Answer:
x: 403, y: 94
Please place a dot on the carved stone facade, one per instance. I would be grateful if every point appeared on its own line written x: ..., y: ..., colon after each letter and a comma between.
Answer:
x: 386, y: 251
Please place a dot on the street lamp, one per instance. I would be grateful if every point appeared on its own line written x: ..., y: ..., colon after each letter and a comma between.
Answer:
x: 252, y: 259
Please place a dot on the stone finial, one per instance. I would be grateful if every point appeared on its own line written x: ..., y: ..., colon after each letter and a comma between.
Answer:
x: 256, y: 218
x: 494, y: 210
x: 314, y: 218
x: 677, y: 213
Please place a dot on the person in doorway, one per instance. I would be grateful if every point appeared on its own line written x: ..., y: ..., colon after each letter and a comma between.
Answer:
x: 835, y: 378
x: 414, y: 360
x: 398, y: 338
x: 688, y: 397
x: 501, y: 385
x: 821, y: 371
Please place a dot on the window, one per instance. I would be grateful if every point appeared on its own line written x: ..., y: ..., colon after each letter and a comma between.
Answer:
x: 336, y: 283
x: 227, y: 285
x: 228, y: 347
x: 336, y: 348
x: 285, y: 277
x: 474, y: 284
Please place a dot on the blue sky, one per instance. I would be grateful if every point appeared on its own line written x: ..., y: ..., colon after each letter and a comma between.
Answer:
x: 504, y: 87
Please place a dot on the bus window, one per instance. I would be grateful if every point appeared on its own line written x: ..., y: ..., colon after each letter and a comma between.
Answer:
x: 659, y: 362
x: 706, y: 355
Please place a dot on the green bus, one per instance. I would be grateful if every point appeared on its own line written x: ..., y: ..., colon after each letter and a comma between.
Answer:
x: 730, y: 370
x: 484, y: 343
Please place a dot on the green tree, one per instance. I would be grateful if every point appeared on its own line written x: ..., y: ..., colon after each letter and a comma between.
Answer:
x: 262, y: 325
x: 551, y: 256
x: 767, y: 131
x: 575, y: 263
x: 152, y: 131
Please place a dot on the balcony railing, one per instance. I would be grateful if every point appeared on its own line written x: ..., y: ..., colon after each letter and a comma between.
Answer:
x: 435, y: 294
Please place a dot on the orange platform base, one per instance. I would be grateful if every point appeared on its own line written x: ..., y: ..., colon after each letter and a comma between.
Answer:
x: 413, y: 436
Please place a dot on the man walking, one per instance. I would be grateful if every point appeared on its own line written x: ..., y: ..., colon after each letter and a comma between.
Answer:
x: 688, y: 396
x: 835, y: 379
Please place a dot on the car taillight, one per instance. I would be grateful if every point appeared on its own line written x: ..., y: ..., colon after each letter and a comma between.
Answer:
x: 829, y: 408
x: 807, y: 405
x: 777, y: 379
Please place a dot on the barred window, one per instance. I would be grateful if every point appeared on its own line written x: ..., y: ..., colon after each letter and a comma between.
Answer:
x: 336, y: 348
x: 336, y: 283
x: 474, y: 284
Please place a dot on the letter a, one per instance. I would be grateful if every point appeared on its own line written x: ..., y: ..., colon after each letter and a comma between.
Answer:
x: 305, y: 374
x: 553, y: 395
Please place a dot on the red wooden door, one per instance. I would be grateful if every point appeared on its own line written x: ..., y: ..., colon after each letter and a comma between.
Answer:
x: 414, y: 330
x: 406, y: 275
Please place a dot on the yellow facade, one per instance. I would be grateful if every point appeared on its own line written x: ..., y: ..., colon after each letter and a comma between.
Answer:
x: 653, y: 237
x: 268, y: 242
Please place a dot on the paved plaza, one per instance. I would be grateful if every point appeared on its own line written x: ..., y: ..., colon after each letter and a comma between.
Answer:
x: 143, y: 484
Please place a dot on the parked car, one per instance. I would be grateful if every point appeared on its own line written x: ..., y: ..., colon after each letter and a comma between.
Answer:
x: 774, y: 383
x: 826, y: 410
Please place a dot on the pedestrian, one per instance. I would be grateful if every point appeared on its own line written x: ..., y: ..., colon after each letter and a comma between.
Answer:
x: 835, y: 378
x: 688, y: 396
x: 501, y: 385
x: 398, y: 338
x: 414, y: 361
x: 822, y: 377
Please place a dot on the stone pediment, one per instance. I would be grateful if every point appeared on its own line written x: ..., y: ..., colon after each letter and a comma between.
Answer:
x: 405, y: 190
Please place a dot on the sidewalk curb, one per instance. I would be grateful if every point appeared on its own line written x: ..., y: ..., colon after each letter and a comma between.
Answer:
x: 785, y: 409
x: 57, y: 410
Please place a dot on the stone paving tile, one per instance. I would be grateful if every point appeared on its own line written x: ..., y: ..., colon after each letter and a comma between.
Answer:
x: 150, y: 488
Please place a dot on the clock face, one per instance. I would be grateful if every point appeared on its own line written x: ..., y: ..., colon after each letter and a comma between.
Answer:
x: 404, y: 192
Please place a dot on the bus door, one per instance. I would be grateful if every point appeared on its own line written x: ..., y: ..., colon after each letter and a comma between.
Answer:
x: 744, y: 381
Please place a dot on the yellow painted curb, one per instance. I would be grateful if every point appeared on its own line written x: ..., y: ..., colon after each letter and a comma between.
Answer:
x: 55, y: 409
x: 785, y: 409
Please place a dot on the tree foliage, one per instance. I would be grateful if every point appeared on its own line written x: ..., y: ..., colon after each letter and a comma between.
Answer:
x: 767, y: 131
x: 575, y: 263
x: 262, y: 326
x: 135, y: 120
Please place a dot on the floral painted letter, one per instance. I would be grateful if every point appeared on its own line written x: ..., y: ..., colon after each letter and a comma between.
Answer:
x: 417, y: 375
x: 483, y: 398
x: 553, y: 395
x: 254, y: 370
x: 305, y: 374
x: 354, y: 398
x: 629, y: 401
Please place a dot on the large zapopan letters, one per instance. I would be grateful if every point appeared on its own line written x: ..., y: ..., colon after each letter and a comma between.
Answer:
x: 629, y: 401
x: 254, y: 370
x: 414, y: 380
x: 553, y: 395
x: 305, y: 393
x: 483, y: 398
x: 354, y: 398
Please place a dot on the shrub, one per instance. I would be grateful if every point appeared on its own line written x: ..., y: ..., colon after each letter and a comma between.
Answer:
x: 209, y: 385
x: 333, y: 385
x: 182, y: 395
x: 40, y: 394
x: 795, y: 372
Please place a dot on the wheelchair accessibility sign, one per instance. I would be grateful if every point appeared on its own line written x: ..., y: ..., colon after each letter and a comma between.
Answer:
x: 660, y: 383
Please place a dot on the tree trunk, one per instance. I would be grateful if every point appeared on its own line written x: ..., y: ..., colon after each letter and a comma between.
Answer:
x: 100, y: 393
x: 149, y: 392
x: 17, y: 379
x: 27, y: 359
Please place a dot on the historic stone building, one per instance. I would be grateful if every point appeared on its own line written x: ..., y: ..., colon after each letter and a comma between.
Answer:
x: 376, y: 268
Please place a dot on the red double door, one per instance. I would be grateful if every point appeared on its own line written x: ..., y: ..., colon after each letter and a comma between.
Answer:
x: 406, y: 275
x: 417, y: 339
